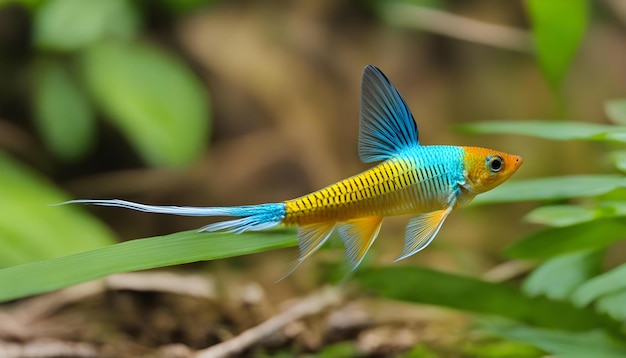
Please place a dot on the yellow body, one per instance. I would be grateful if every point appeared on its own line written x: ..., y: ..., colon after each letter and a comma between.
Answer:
x: 373, y: 192
x: 425, y: 180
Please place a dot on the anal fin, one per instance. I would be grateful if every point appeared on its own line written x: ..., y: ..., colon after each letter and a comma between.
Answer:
x: 357, y: 236
x: 310, y: 238
x: 421, y: 231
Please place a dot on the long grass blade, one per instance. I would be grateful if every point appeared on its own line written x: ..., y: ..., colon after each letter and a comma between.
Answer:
x: 179, y: 248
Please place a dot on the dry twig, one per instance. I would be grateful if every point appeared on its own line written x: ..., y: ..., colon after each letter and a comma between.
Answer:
x: 47, y: 348
x: 311, y: 305
x: 458, y: 27
x: 507, y: 271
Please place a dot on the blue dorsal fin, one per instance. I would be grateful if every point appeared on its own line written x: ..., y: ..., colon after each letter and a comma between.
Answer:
x: 387, y: 125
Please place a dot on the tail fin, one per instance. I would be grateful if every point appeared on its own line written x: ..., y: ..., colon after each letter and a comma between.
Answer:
x: 252, y: 217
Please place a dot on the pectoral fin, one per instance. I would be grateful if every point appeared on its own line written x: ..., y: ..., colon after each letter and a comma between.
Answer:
x: 358, y: 235
x: 422, y: 230
x: 310, y: 238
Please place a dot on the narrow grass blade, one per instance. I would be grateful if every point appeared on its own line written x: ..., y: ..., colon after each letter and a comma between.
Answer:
x: 563, y: 343
x: 141, y: 254
x: 548, y: 129
x: 551, y: 242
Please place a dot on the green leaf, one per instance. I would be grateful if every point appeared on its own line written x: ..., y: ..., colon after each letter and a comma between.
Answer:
x: 613, y: 305
x: 554, y: 130
x: 560, y: 215
x: 559, y: 277
x: 141, y: 254
x: 63, y: 115
x: 558, y: 27
x: 30, y: 229
x: 616, y: 110
x: 423, y: 285
x: 566, y: 215
x: 610, y: 282
x: 619, y: 159
x: 69, y: 25
x: 612, y: 208
x: 152, y: 98
x: 564, y: 344
x: 552, y: 242
x: 554, y: 188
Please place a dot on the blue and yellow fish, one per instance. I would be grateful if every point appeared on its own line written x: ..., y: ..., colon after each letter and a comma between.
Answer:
x: 426, y: 181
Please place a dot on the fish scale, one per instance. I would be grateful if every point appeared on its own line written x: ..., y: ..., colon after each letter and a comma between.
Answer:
x: 425, y: 181
x: 394, y: 187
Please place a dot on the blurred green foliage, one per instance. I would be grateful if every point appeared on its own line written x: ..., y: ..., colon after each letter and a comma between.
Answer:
x: 73, y: 25
x: 557, y: 241
x: 89, y: 67
x: 90, y: 62
x: 572, y: 270
x: 64, y: 116
x: 593, y: 343
x: 558, y: 28
x: 91, y: 59
x: 424, y: 285
x: 553, y: 188
x: 152, y: 98
x: 555, y: 130
x: 30, y: 229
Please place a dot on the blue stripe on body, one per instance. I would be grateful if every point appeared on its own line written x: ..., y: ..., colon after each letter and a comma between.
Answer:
x: 438, y: 170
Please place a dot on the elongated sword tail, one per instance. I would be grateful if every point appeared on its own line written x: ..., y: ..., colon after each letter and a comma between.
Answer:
x: 251, y: 217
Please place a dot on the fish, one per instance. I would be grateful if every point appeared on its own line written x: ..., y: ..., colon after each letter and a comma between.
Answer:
x: 426, y: 181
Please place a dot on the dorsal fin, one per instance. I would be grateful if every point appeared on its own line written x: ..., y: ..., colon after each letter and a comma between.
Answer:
x: 387, y: 125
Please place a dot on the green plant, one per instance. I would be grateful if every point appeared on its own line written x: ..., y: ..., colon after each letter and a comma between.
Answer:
x: 88, y: 62
x: 140, y: 254
x: 31, y: 230
x: 100, y: 64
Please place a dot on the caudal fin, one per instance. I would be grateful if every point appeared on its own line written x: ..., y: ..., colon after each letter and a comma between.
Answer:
x: 251, y: 217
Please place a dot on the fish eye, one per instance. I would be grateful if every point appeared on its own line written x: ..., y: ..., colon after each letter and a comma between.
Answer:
x: 495, y: 163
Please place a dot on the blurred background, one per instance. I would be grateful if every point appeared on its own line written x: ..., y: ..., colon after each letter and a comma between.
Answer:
x: 214, y: 103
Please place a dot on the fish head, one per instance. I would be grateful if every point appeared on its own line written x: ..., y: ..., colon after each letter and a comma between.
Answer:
x: 485, y: 168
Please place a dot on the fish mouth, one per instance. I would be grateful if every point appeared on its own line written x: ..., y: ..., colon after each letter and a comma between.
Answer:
x: 517, y: 162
